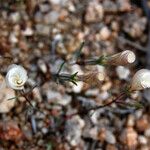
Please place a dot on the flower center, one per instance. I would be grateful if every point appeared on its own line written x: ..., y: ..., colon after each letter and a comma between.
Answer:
x: 17, y: 80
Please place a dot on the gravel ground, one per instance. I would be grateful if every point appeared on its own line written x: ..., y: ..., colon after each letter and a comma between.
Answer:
x: 40, y: 35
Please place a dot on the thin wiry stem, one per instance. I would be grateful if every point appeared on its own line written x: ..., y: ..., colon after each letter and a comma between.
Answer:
x: 86, y: 111
x: 79, y: 51
x: 26, y: 98
x: 61, y: 66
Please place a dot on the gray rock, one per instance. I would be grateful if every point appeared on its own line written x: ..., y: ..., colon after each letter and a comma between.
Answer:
x: 42, y: 29
x: 44, y: 7
x: 91, y: 133
x: 51, y: 17
x: 104, y: 95
x: 38, y: 16
x: 147, y: 95
x: 56, y: 97
x: 73, y: 130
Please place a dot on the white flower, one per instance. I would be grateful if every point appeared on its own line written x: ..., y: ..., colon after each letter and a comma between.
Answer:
x: 141, y: 80
x: 122, y: 58
x: 16, y: 77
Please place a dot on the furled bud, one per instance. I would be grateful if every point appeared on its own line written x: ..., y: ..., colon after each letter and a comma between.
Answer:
x: 122, y: 58
x: 141, y: 80
x: 16, y: 77
x: 93, y: 77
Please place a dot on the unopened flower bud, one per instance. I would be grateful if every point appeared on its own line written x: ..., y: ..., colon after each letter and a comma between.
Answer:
x: 93, y: 78
x: 141, y: 80
x: 122, y: 58
x: 16, y: 77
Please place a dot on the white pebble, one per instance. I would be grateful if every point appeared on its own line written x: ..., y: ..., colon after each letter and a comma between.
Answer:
x: 122, y: 72
x: 27, y: 32
x: 110, y: 138
x: 142, y: 139
x: 147, y: 132
x: 44, y: 130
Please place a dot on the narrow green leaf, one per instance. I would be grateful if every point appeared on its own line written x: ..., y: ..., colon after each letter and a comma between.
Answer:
x: 61, y: 66
x: 78, y: 53
x: 74, y: 82
x: 12, y: 98
x: 74, y: 75
x: 137, y: 105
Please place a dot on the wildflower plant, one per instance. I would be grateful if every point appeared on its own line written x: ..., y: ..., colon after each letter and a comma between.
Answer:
x: 16, y: 77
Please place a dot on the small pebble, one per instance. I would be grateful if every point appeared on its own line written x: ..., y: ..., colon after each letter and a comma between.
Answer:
x: 28, y: 32
x: 142, y: 124
x: 103, y: 95
x: 110, y: 137
x: 147, y: 132
x: 131, y: 121
x: 122, y: 72
x: 42, y: 65
x: 94, y: 12
x: 142, y: 139
x: 44, y: 130
x: 92, y: 92
x: 104, y: 33
x: 51, y: 17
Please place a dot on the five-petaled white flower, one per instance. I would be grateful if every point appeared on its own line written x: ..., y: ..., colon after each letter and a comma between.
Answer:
x: 16, y: 77
x: 123, y: 58
x: 141, y: 80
